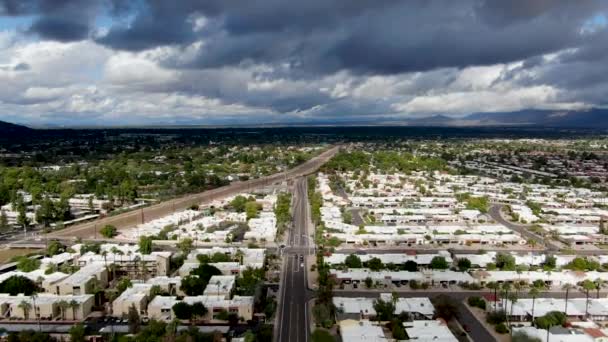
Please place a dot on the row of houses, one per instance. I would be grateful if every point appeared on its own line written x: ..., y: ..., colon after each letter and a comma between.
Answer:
x: 212, y: 223
x: 217, y: 297
x: 387, y: 279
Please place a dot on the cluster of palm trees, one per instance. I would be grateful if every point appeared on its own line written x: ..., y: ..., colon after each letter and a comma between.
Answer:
x: 64, y: 305
x: 26, y: 306
x: 510, y: 292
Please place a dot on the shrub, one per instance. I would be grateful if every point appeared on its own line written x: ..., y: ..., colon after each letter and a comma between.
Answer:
x: 496, y: 317
x: 501, y: 328
x: 477, y: 302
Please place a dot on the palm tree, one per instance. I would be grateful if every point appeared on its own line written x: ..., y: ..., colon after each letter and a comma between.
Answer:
x: 513, y: 300
x: 136, y: 263
x: 104, y: 254
x: 26, y: 307
x: 534, y: 292
x: 218, y: 283
x: 505, y: 287
x: 587, y: 285
x: 34, y: 296
x: 96, y: 289
x: 74, y: 305
x: 239, y: 255
x: 494, y: 286
x: 63, y: 305
x: 171, y: 329
x: 598, y: 286
x: 567, y: 287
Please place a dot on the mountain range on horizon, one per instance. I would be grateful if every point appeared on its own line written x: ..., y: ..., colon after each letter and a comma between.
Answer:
x: 594, y: 118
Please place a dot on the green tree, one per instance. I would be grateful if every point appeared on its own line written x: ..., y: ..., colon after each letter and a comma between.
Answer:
x: 385, y: 310
x: 182, y: 310
x: 198, y: 310
x: 251, y: 209
x: 353, y: 261
x: 55, y: 247
x: 587, y: 286
x: 145, y: 244
x: 3, y: 221
x: 550, y: 263
x: 505, y: 262
x: 398, y: 331
x: 410, y: 266
x: 26, y: 264
x: 238, y: 203
x: 77, y: 333
x: 46, y: 212
x: 124, y: 284
x: 445, y: 307
x: 322, y: 335
x: 108, y: 231
x: 463, y: 264
x: 375, y: 264
x: 249, y: 281
x: 550, y: 319
x: 133, y: 320
x: 185, y: 246
x: 439, y: 263
x: 193, y: 285
x: 18, y: 284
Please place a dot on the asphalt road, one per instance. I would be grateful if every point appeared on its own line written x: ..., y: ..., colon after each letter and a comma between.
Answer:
x: 550, y: 247
x: 293, y: 319
x: 497, y: 216
x: 133, y: 218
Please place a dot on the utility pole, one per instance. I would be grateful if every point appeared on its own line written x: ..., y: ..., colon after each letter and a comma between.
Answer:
x: 95, y: 231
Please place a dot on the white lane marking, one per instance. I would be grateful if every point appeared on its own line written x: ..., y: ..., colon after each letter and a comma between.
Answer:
x: 306, y: 321
x: 283, y: 280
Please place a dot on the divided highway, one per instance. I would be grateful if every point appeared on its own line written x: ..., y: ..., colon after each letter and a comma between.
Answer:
x: 133, y: 218
x: 293, y: 318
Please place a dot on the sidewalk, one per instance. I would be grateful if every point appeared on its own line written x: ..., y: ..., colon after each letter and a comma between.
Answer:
x: 481, y: 317
x: 312, y: 276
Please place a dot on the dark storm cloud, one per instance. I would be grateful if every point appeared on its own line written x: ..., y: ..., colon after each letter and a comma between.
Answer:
x: 321, y: 36
x: 60, y: 20
x: 384, y: 37
x: 59, y: 28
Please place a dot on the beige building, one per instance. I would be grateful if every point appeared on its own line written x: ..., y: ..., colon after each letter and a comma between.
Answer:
x: 46, y: 306
x: 220, y: 286
x: 134, y: 296
x: 161, y: 308
x: 170, y: 285
x: 242, y: 306
x: 82, y: 281
x: 135, y: 264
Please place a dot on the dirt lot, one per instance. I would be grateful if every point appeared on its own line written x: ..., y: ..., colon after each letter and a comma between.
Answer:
x: 7, y: 253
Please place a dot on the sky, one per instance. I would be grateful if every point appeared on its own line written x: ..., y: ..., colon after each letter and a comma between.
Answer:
x: 158, y: 62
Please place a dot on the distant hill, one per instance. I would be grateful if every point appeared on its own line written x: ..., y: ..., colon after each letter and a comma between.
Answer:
x: 593, y: 118
x: 9, y: 130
